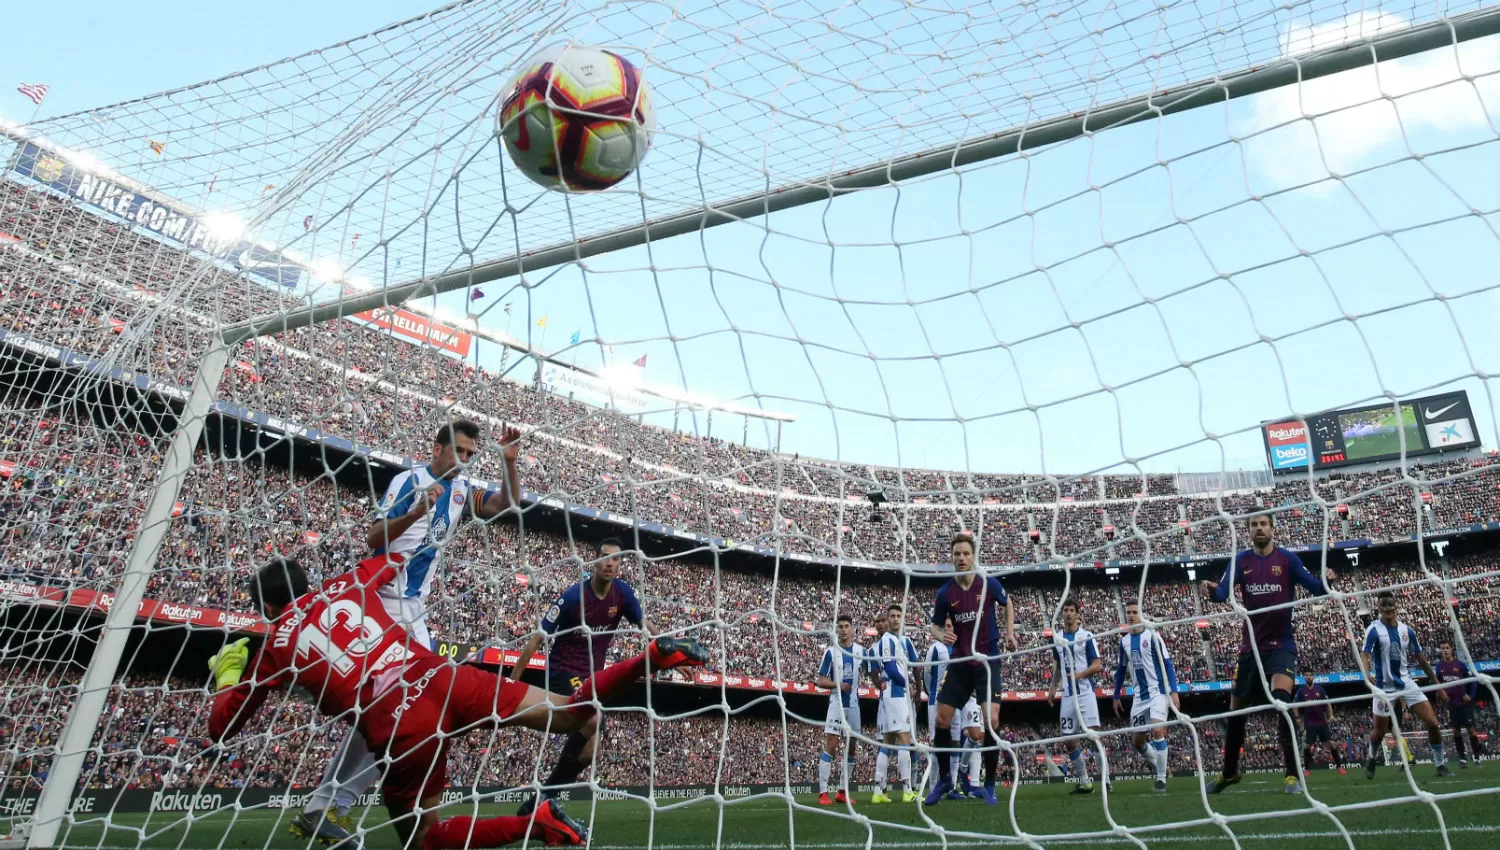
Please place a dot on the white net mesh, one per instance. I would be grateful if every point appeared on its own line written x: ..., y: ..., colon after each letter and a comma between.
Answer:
x: 1091, y: 316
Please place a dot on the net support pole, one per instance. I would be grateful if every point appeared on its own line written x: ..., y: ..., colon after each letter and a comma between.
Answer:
x: 53, y: 804
x: 1284, y: 71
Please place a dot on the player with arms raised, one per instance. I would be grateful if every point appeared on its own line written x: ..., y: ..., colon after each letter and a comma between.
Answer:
x: 972, y: 602
x: 1267, y: 576
x: 1461, y: 699
x: 339, y: 644
x: 894, y: 654
x: 839, y: 673
x: 583, y: 621
x: 422, y: 509
x: 1075, y: 663
x: 1390, y: 647
x: 1314, y: 718
x: 1145, y: 662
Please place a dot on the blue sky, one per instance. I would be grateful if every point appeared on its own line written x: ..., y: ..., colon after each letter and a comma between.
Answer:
x: 1124, y: 296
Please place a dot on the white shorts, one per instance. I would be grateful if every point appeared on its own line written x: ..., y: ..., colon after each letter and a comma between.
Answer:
x: 972, y: 718
x: 1411, y: 696
x: 1079, y: 712
x: 894, y: 715
x: 969, y: 717
x: 1148, y: 711
x: 411, y: 613
x: 838, y: 716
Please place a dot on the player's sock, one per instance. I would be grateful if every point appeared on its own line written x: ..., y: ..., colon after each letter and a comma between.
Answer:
x: 903, y: 768
x: 1287, y: 738
x: 610, y: 681
x: 1080, y: 767
x: 1458, y: 743
x: 945, y: 758
x: 990, y: 756
x: 882, y: 769
x: 1159, y: 750
x: 1439, y: 755
x: 1338, y: 757
x: 847, y: 779
x: 569, y: 761
x: 1476, y: 745
x: 1234, y: 741
x: 825, y: 768
x: 974, y: 764
x: 464, y: 831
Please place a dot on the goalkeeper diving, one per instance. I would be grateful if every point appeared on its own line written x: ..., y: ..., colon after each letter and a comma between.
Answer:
x: 340, y: 644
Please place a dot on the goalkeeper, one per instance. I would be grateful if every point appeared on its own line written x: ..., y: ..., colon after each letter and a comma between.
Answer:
x: 340, y: 644
x: 422, y: 509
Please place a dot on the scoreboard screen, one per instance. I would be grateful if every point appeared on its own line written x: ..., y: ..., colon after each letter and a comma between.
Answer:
x: 1372, y: 433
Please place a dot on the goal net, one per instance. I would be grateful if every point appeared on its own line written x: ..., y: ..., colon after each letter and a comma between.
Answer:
x: 1098, y: 284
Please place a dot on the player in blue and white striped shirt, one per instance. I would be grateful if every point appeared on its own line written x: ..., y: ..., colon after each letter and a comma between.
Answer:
x: 1390, y: 647
x: 422, y: 509
x: 1076, y: 662
x: 840, y: 673
x: 893, y: 657
x: 1145, y: 662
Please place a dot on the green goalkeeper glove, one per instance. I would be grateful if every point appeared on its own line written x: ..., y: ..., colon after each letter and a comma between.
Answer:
x: 228, y: 664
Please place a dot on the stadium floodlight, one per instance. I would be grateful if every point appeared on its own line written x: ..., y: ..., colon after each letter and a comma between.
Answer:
x: 909, y: 217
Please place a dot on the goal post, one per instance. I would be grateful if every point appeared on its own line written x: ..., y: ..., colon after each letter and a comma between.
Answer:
x: 54, y: 803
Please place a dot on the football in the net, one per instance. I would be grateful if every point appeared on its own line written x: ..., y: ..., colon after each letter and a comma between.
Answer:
x: 577, y: 118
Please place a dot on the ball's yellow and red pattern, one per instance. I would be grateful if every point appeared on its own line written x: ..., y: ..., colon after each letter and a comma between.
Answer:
x: 577, y: 118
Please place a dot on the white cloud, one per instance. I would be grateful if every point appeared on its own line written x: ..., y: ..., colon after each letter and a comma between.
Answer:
x: 1356, y: 118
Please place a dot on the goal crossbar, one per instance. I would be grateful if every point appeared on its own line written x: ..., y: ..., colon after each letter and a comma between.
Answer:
x: 1121, y: 113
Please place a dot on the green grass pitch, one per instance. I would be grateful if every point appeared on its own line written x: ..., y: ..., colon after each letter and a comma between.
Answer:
x: 1046, y: 813
x: 1377, y: 445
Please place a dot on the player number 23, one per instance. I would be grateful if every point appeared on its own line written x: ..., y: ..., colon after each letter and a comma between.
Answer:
x: 314, y: 637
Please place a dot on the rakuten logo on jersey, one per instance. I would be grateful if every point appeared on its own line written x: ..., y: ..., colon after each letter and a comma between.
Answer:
x: 1262, y: 589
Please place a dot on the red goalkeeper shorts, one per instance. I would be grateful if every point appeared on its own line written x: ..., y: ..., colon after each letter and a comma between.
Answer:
x: 402, y: 726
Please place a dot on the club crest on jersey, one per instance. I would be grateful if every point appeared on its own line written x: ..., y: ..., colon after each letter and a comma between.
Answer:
x: 613, y: 610
x: 458, y: 496
x: 1275, y: 569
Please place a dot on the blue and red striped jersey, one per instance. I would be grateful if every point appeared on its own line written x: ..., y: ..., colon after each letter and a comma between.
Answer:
x: 580, y: 651
x: 975, y: 616
x: 1266, y: 581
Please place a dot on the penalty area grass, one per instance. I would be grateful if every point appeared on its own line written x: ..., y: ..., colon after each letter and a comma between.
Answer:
x: 1049, y: 817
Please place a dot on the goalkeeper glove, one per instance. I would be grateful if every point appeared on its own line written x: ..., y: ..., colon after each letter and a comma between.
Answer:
x: 228, y: 664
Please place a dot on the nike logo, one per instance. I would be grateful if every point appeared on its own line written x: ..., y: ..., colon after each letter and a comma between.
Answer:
x: 245, y: 262
x: 1433, y: 414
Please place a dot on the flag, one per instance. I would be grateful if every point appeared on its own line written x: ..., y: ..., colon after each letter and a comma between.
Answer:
x: 641, y: 363
x: 354, y: 243
x: 268, y: 187
x: 213, y: 182
x: 507, y: 309
x: 157, y: 147
x: 542, y: 322
x: 479, y: 293
x: 33, y: 91
x: 573, y: 340
x: 307, y: 222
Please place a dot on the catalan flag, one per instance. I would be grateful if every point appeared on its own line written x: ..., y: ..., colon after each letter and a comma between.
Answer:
x: 157, y: 147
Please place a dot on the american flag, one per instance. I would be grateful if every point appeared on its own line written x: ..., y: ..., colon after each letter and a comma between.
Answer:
x: 35, y: 91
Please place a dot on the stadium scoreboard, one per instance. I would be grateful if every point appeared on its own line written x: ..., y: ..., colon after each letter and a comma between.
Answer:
x: 1371, y: 433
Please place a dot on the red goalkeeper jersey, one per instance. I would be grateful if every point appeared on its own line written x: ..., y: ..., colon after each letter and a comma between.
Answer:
x: 336, y: 642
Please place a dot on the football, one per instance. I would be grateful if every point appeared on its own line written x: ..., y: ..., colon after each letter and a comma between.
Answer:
x: 577, y: 118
